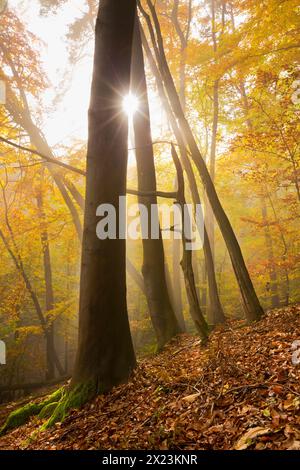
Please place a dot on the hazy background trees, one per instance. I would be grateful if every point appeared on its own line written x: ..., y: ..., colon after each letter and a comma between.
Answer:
x: 234, y: 76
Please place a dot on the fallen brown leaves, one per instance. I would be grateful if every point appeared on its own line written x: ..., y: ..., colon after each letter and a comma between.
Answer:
x: 241, y: 391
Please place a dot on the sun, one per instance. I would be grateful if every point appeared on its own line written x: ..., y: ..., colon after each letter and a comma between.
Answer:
x: 130, y: 104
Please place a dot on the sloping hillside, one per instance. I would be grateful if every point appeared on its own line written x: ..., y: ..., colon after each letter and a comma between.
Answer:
x: 241, y: 391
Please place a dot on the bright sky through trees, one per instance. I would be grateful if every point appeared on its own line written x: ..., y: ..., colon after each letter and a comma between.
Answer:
x: 66, y: 118
x: 130, y: 104
x: 221, y: 81
x: 67, y: 98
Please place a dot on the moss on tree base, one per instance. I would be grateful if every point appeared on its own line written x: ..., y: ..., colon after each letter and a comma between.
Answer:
x: 22, y: 415
x: 71, y: 399
x: 55, y: 408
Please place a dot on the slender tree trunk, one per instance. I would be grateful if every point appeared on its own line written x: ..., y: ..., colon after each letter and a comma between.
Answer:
x: 286, y: 290
x: 275, y: 301
x: 212, y: 165
x: 161, y: 312
x: 50, y: 342
x: 186, y: 263
x: 176, y: 248
x: 215, y: 310
x: 135, y: 275
x: 203, y: 290
x: 176, y: 308
x: 183, y: 36
x: 77, y: 196
x: 105, y: 355
x: 213, y: 147
x: 252, y: 307
x: 272, y: 270
x: 20, y: 267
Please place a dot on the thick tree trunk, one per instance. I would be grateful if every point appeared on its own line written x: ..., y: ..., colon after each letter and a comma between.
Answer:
x: 134, y: 274
x: 105, y: 355
x: 252, y: 307
x: 161, y: 312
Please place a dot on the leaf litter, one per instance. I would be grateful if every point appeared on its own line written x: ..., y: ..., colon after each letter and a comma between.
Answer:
x: 241, y: 391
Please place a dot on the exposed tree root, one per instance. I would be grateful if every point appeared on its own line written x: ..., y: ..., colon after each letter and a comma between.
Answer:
x: 55, y: 408
x: 71, y: 398
x: 22, y: 415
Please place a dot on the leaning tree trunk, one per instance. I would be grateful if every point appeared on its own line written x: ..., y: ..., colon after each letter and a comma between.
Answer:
x: 161, y: 312
x: 215, y: 123
x: 186, y: 263
x: 215, y: 311
x: 252, y: 307
x: 105, y: 354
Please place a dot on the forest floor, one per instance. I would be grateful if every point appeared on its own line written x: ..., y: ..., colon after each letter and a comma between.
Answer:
x: 240, y: 391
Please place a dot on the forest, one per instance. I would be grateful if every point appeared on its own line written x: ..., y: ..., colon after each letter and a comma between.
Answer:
x: 149, y: 225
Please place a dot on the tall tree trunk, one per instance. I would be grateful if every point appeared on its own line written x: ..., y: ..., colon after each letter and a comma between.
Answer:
x: 275, y: 302
x: 213, y: 147
x: 252, y: 307
x: 183, y: 37
x: 203, y: 291
x: 161, y: 312
x: 176, y: 248
x: 272, y: 270
x: 105, y: 355
x: 50, y: 342
x: 15, y: 256
x: 135, y: 275
x: 210, y: 220
x: 186, y: 263
x: 286, y: 288
x: 215, y: 310
x: 52, y: 358
x: 176, y: 308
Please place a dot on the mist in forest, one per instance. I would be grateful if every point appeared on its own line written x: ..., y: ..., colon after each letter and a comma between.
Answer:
x: 193, y: 102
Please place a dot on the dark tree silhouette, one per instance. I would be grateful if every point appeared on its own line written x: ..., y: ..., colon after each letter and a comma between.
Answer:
x: 105, y: 353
